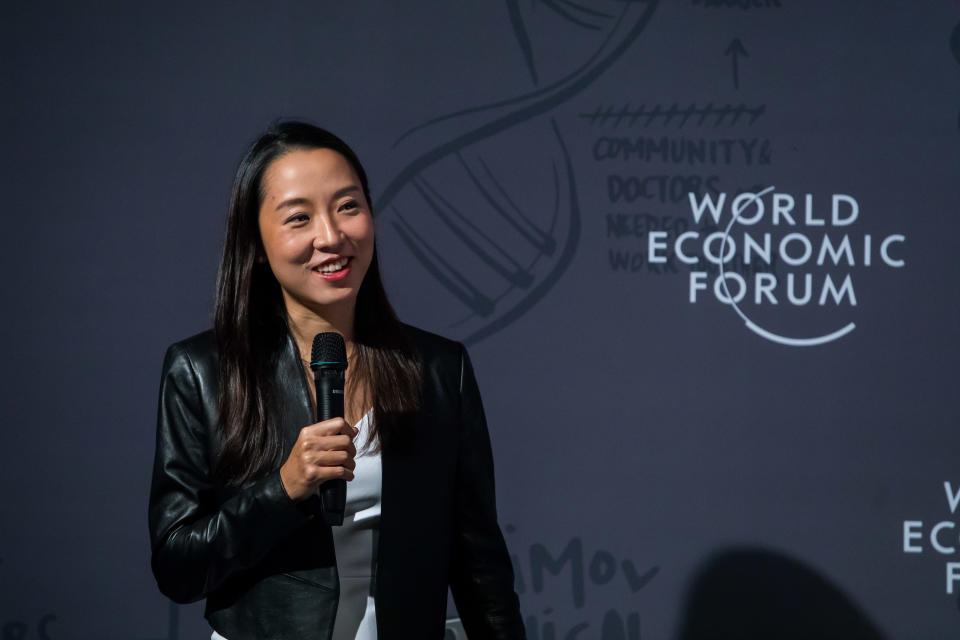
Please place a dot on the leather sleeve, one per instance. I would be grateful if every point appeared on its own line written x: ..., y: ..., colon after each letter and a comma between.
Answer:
x: 481, y: 576
x: 196, y: 544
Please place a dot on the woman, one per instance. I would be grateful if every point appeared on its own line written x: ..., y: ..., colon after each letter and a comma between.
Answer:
x: 234, y: 511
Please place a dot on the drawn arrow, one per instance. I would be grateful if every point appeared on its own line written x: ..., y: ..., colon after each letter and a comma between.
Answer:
x: 735, y: 50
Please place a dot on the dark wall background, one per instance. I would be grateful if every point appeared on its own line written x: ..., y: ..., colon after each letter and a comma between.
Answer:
x: 663, y: 470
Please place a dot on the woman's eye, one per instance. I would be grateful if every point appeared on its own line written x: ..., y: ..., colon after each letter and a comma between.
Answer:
x: 298, y: 217
x: 349, y: 205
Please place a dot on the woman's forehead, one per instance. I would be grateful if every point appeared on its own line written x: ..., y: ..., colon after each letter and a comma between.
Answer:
x: 317, y: 173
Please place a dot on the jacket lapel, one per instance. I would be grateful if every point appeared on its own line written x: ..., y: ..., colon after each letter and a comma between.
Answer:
x: 291, y: 385
x: 297, y: 410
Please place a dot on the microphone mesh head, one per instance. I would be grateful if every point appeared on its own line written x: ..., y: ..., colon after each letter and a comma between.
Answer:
x: 328, y: 347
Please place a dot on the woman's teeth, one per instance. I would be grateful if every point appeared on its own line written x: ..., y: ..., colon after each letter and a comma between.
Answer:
x: 330, y: 267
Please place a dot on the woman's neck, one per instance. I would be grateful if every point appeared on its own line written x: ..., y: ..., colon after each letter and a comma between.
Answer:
x: 306, y: 323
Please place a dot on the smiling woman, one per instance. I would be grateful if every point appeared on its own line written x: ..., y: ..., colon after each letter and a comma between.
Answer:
x: 315, y: 221
x: 234, y: 513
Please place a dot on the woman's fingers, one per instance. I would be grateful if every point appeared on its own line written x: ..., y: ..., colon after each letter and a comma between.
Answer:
x: 328, y: 443
x: 332, y: 458
x: 333, y: 426
x: 329, y: 450
x: 321, y: 473
x: 323, y: 451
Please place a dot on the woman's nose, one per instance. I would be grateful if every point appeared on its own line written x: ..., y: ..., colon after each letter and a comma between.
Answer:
x: 327, y: 235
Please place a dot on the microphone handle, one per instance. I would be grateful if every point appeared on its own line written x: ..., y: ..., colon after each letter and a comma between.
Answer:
x: 329, y: 386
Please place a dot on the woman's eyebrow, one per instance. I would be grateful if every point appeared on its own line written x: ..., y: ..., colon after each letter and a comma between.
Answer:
x: 292, y: 202
x: 339, y: 193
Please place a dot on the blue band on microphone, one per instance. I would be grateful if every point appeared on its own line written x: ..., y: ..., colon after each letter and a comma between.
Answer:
x: 327, y: 362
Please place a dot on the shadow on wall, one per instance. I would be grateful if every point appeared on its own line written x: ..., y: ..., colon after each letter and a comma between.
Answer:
x: 753, y: 594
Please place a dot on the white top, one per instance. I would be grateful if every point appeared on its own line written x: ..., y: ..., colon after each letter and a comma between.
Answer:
x: 355, y: 543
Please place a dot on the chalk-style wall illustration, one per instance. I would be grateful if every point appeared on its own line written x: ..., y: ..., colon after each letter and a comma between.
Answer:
x: 703, y: 253
x: 500, y: 248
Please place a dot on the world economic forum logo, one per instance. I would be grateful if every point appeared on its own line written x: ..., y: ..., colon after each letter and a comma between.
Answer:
x: 763, y: 252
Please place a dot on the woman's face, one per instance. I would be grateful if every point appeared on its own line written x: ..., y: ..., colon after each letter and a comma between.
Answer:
x: 316, y: 227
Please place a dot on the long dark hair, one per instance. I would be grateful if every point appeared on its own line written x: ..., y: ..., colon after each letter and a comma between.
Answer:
x: 251, y: 326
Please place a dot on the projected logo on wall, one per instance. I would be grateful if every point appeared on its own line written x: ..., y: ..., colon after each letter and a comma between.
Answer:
x: 940, y: 537
x: 818, y: 247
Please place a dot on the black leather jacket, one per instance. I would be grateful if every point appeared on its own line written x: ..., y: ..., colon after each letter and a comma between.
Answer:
x: 266, y: 564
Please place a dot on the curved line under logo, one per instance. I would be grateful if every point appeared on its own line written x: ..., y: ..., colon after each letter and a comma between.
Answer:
x: 753, y: 326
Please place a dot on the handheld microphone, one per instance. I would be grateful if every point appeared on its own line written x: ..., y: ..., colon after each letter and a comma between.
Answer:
x: 328, y: 360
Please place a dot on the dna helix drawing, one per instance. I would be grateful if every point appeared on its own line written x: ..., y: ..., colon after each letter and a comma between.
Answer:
x: 488, y: 204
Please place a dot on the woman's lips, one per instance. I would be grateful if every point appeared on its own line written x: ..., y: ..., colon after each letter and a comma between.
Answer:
x: 336, y: 275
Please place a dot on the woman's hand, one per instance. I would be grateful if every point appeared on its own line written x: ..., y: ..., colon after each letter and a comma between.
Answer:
x: 323, y: 451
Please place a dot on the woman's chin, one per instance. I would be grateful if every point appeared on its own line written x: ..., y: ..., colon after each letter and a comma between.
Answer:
x: 346, y: 297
